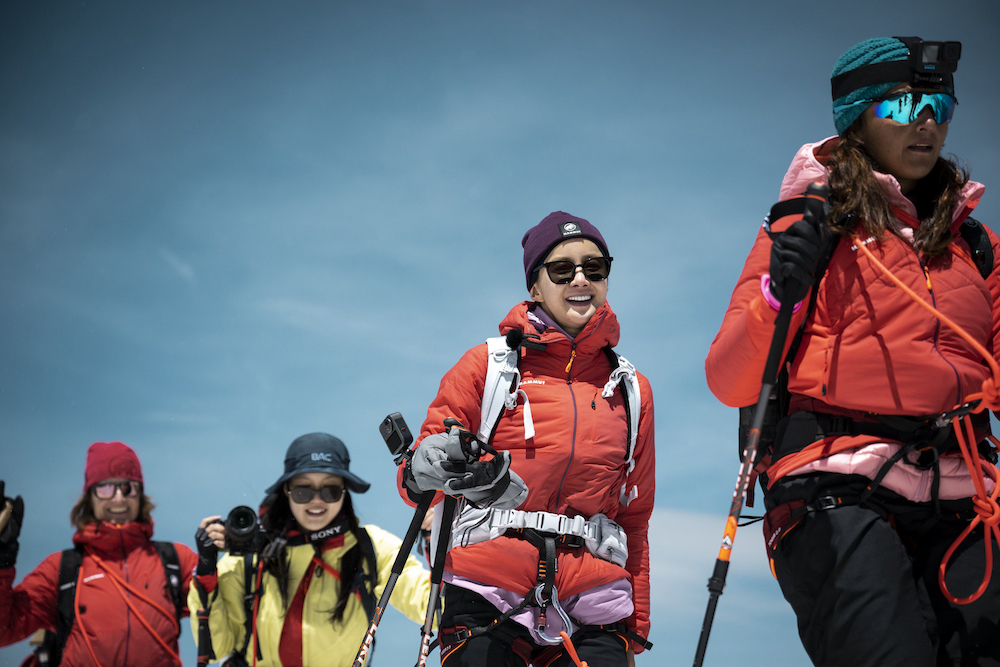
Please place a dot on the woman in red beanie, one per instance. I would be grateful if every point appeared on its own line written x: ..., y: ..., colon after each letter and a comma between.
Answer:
x: 553, y: 534
x: 127, y: 591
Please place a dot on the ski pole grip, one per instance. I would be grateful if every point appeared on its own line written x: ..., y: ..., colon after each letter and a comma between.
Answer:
x: 5, y: 514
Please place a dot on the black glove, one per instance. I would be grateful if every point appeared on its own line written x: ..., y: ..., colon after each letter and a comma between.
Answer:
x: 208, y: 553
x: 10, y: 532
x: 796, y: 251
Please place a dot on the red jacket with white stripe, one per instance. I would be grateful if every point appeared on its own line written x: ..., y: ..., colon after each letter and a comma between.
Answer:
x: 574, y: 465
x: 115, y: 634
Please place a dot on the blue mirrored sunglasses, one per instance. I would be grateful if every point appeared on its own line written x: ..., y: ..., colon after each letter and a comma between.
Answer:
x: 905, y: 107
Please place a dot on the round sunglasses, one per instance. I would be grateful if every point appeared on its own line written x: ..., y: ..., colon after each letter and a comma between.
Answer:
x: 563, y: 271
x: 304, y: 494
x: 107, y: 490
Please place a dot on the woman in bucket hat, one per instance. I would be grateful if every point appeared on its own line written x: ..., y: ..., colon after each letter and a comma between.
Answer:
x: 575, y: 462
x: 123, y: 594
x: 314, y: 572
x: 876, y: 503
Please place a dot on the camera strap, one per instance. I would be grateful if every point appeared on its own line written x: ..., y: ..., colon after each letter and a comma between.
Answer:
x: 335, y: 528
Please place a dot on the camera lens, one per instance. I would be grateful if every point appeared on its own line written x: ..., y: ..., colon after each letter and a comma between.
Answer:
x: 241, y: 529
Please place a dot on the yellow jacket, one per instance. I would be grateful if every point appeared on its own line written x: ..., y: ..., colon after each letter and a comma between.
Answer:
x: 322, y: 643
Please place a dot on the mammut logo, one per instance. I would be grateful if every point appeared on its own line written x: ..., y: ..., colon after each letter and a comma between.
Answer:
x: 320, y: 456
x: 570, y: 229
x: 532, y: 381
x: 868, y: 240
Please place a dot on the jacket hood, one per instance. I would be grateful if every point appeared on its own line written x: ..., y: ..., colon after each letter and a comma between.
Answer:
x: 602, y: 329
x: 110, y: 538
x: 809, y: 166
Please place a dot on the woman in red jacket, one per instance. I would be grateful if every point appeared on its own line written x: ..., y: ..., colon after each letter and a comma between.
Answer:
x: 867, y: 487
x: 560, y: 544
x: 125, y: 610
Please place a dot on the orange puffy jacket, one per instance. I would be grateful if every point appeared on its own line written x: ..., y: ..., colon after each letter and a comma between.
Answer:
x: 867, y: 346
x: 574, y: 465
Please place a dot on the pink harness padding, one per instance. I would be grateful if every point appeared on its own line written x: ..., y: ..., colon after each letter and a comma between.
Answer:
x: 907, y: 480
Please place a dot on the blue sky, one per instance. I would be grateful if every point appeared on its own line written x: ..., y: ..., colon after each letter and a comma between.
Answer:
x: 226, y: 224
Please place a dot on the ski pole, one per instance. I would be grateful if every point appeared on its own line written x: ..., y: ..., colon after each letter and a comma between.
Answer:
x: 397, y: 569
x: 717, y: 582
x: 437, y: 573
x: 398, y: 438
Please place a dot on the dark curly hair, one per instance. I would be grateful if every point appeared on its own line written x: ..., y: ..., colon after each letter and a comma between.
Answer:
x: 857, y: 198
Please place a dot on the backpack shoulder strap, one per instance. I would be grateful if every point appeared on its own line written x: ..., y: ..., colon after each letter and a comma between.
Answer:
x: 979, y: 243
x: 365, y: 583
x: 503, y: 380
x: 625, y: 376
x: 69, y: 570
x: 172, y: 570
x: 249, y: 593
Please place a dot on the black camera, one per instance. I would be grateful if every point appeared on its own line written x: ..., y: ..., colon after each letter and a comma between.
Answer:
x: 937, y: 57
x: 243, y: 534
x: 397, y: 436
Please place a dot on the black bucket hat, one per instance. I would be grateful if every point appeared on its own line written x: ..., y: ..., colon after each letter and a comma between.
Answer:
x: 319, y: 452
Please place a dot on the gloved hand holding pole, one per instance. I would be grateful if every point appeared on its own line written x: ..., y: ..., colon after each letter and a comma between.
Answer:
x: 796, y: 279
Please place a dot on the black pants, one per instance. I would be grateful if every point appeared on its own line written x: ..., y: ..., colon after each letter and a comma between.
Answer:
x: 511, y: 645
x: 866, y: 592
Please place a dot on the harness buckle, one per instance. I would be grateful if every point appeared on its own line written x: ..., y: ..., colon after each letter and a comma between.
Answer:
x: 826, y: 503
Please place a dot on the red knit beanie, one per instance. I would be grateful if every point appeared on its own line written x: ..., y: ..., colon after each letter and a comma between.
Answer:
x: 106, y: 460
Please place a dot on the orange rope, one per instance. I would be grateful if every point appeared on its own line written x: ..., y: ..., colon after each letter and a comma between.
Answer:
x: 123, y: 586
x: 568, y: 645
x: 987, y: 509
x: 79, y: 619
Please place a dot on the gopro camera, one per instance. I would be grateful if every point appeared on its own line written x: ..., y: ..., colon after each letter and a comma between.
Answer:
x: 397, y: 436
x: 938, y: 57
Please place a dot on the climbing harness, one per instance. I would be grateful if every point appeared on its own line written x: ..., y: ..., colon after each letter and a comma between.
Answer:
x: 603, y: 537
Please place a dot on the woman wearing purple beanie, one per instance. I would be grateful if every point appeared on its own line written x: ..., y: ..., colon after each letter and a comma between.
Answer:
x: 878, y: 472
x: 549, y: 550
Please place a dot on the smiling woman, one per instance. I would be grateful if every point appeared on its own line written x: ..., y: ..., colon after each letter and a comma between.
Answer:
x: 575, y: 448
x: 128, y: 590
x: 315, y: 576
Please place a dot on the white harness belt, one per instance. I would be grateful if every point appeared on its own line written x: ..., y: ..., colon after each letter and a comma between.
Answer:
x: 603, y: 537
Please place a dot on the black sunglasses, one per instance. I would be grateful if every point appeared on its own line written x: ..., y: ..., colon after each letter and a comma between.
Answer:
x: 563, y: 271
x: 304, y: 494
x: 107, y: 491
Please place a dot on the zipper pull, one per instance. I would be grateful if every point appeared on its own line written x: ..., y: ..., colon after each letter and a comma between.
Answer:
x: 927, y: 277
x: 572, y: 356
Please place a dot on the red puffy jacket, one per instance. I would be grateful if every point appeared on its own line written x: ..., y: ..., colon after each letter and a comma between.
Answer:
x: 574, y: 465
x: 867, y: 348
x: 115, y: 633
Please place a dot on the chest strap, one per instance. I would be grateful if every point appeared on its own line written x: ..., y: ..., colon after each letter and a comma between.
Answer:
x: 603, y: 537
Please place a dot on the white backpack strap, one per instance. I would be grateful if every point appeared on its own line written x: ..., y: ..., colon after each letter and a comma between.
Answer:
x: 626, y: 371
x: 502, y: 374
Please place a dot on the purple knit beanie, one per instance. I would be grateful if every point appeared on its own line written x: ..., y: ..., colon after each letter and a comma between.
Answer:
x: 551, y: 231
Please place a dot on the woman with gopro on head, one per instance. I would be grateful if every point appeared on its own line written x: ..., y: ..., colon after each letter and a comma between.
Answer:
x: 879, y: 477
x: 550, y: 550
x: 301, y: 590
x: 115, y: 599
